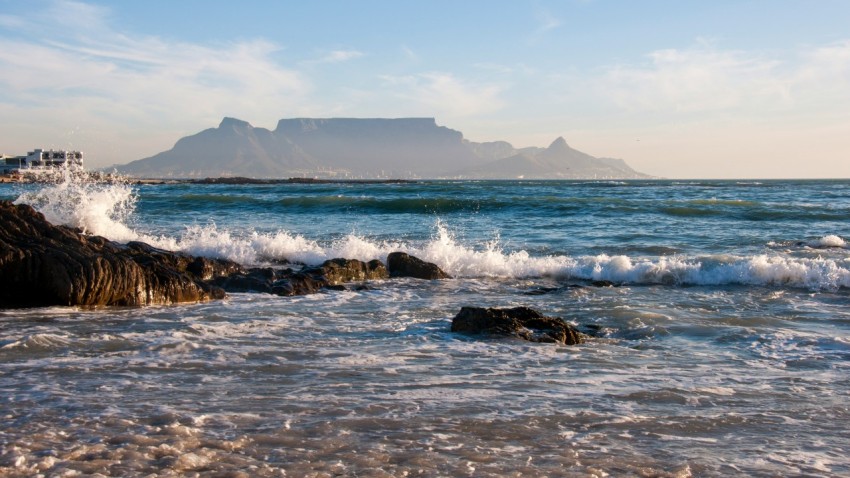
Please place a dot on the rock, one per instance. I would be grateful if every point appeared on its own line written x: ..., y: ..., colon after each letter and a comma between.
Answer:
x: 201, y: 268
x: 251, y: 280
x: 401, y: 264
x: 298, y: 284
x: 43, y: 265
x: 337, y: 271
x: 602, y: 283
x: 541, y: 291
x: 521, y: 322
x: 286, y: 282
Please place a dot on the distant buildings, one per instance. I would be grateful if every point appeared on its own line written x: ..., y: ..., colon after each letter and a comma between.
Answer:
x: 40, y: 159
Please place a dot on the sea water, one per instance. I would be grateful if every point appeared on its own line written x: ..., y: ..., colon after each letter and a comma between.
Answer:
x: 723, y: 350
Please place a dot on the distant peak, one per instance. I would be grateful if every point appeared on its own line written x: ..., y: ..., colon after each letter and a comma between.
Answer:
x: 228, y: 121
x: 559, y: 144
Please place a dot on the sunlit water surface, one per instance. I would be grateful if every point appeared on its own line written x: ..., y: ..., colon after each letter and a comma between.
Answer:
x: 724, y: 351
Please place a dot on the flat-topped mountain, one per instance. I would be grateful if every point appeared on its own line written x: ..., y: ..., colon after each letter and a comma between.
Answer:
x: 365, y: 148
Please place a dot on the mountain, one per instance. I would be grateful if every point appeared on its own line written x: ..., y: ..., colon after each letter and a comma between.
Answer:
x: 558, y: 161
x: 364, y: 148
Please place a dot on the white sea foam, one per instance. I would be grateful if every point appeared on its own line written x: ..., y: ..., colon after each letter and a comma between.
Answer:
x: 106, y: 208
x: 98, y: 207
x: 490, y: 260
x: 828, y: 241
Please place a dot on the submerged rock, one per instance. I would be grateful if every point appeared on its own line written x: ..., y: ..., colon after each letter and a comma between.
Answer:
x: 43, y: 265
x: 521, y: 322
x: 401, y: 264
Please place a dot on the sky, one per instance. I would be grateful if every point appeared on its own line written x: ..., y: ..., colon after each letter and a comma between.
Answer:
x: 678, y: 89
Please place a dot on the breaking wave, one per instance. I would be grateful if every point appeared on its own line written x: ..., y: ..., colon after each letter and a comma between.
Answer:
x: 107, y: 208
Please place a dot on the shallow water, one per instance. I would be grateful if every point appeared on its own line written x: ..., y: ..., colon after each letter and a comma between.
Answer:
x: 725, y: 350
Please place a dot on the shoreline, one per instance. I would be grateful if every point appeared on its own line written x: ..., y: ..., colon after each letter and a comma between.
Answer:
x: 30, y: 179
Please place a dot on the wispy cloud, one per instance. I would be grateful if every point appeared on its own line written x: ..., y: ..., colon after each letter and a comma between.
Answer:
x: 706, y: 79
x: 546, y: 22
x: 103, y: 76
x: 445, y: 94
x: 338, y: 56
x: 409, y: 53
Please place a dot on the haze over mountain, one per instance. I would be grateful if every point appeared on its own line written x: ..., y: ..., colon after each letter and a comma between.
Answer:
x: 366, y: 148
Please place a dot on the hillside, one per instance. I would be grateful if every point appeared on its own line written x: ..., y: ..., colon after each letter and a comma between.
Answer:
x: 364, y: 148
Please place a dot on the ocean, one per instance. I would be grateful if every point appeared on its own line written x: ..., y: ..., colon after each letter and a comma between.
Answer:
x: 723, y: 348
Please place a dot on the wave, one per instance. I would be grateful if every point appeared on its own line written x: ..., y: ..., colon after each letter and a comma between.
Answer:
x: 106, y: 209
x: 98, y: 207
x: 491, y: 261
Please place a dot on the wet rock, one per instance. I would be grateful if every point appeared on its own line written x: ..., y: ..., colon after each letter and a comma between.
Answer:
x: 251, y: 280
x: 541, y: 290
x: 298, y: 284
x: 309, y: 280
x: 401, y: 264
x: 201, y: 268
x: 338, y: 271
x: 521, y: 322
x: 43, y: 265
x: 602, y: 283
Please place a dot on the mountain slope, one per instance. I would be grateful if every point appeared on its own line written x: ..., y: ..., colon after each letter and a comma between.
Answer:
x: 364, y: 148
x: 558, y: 161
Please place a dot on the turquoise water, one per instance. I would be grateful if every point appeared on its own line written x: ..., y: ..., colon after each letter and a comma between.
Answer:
x: 725, y: 347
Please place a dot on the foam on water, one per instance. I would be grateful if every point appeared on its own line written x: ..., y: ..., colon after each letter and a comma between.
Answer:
x: 97, y: 207
x: 491, y: 260
x: 829, y: 241
x: 106, y: 208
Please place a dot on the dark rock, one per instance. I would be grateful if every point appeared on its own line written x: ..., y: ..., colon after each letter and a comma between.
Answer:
x: 298, y: 284
x: 401, y: 264
x: 337, y: 271
x: 541, y: 291
x: 252, y: 280
x: 309, y: 280
x: 602, y: 283
x: 596, y: 330
x: 43, y: 265
x: 201, y: 268
x: 522, y: 322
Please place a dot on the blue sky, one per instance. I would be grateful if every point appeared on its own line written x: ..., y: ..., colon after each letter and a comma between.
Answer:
x: 676, y: 88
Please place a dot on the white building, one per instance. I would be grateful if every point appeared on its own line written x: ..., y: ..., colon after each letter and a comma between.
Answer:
x: 41, y: 158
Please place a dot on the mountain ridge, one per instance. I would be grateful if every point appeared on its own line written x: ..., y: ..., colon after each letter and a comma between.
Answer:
x: 366, y: 148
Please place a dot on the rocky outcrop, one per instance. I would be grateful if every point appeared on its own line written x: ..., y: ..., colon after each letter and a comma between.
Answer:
x: 338, y: 271
x: 42, y: 265
x: 330, y: 275
x: 401, y: 264
x: 521, y: 322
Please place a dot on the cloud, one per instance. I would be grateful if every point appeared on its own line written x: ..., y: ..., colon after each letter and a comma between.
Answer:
x: 700, y: 79
x: 445, y: 95
x: 338, y: 56
x: 96, y: 76
x: 826, y: 69
x: 546, y: 22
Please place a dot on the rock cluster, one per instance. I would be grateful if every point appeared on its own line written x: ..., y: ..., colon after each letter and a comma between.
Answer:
x: 331, y: 274
x: 521, y: 322
x: 42, y: 265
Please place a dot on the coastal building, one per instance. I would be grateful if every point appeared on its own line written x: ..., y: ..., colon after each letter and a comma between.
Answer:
x: 40, y: 159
